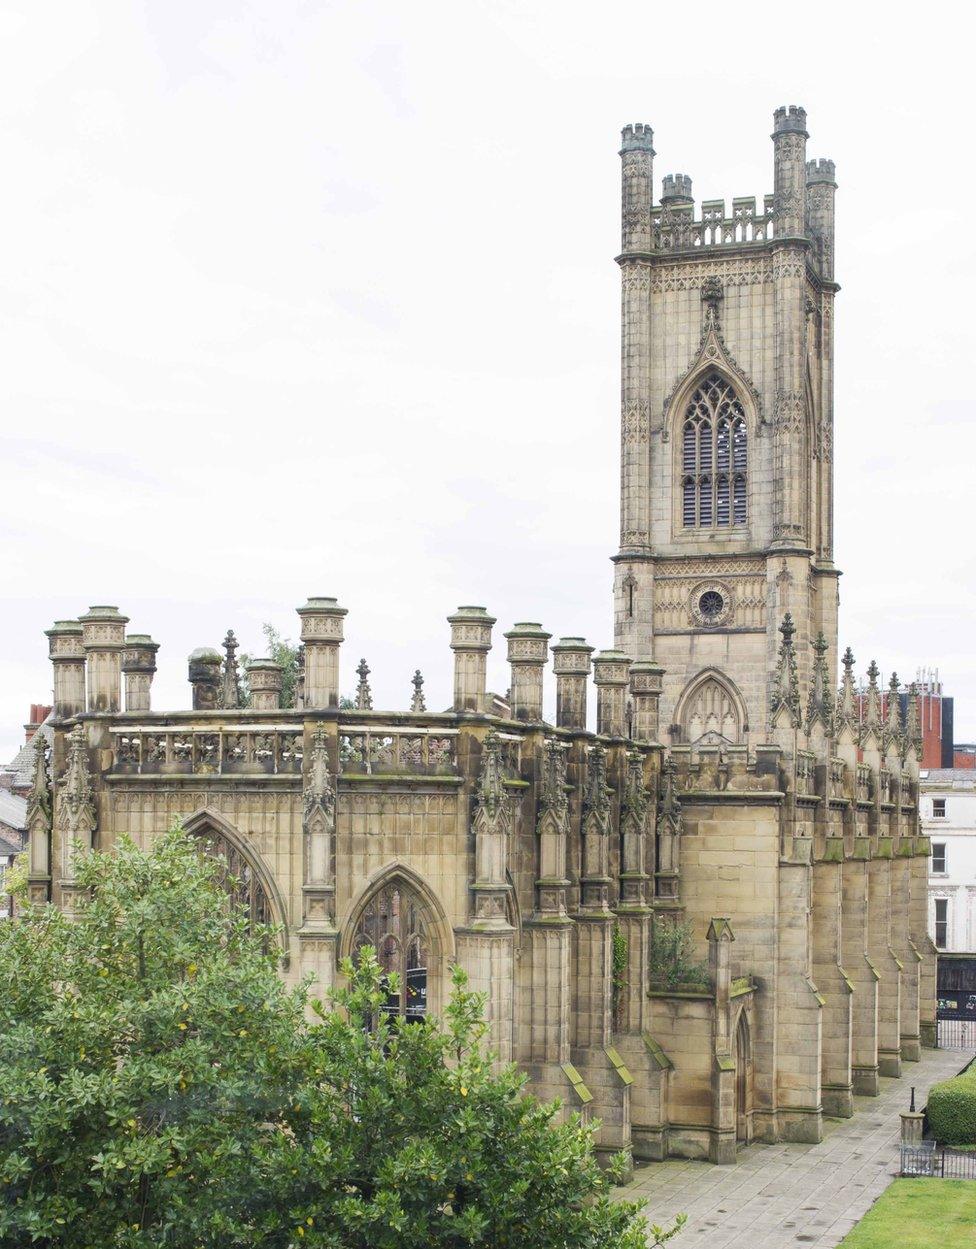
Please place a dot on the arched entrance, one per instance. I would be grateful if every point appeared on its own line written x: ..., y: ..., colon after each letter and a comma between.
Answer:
x: 743, y: 1081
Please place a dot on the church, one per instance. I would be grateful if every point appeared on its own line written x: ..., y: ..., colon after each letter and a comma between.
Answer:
x: 703, y: 923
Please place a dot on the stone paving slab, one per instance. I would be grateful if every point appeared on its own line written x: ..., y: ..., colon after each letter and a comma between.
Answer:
x: 793, y: 1196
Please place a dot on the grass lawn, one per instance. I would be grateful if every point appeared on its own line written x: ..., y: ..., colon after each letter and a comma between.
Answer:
x: 919, y: 1214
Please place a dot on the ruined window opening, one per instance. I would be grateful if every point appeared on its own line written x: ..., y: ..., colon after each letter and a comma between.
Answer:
x: 237, y: 877
x: 393, y: 923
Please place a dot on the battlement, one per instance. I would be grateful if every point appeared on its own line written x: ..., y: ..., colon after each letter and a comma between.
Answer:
x: 674, y: 227
x: 820, y: 171
x: 637, y: 138
x: 676, y: 187
x: 792, y: 120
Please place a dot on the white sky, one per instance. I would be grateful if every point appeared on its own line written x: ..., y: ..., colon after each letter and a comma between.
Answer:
x: 319, y: 298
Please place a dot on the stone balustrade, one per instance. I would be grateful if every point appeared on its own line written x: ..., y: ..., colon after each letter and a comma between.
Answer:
x: 383, y: 749
x: 674, y: 227
x: 221, y: 750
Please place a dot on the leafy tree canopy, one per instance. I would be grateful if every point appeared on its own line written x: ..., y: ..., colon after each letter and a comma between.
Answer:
x: 160, y: 1086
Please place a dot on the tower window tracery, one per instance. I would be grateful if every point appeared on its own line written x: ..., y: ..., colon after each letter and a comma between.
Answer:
x: 714, y: 457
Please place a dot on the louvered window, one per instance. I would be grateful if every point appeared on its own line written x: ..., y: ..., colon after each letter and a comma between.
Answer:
x: 714, y: 463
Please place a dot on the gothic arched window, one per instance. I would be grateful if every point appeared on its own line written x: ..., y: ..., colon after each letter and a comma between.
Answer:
x: 236, y: 875
x: 393, y: 923
x: 709, y: 714
x: 714, y: 457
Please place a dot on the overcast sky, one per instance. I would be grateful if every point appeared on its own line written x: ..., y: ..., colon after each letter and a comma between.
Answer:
x: 319, y: 298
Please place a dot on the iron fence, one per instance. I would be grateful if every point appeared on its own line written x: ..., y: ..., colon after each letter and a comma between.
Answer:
x: 946, y: 1164
x: 955, y: 1034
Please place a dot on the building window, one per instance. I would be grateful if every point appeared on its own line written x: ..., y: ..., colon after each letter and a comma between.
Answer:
x: 393, y: 923
x: 938, y: 808
x: 939, y: 858
x: 714, y: 457
x: 941, y: 922
x: 244, y: 891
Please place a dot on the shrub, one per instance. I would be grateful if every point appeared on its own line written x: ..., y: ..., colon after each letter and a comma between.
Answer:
x: 671, y: 955
x: 952, y: 1110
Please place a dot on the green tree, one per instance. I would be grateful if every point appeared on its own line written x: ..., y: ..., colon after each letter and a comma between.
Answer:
x: 160, y: 1087
x: 444, y: 1150
x: 151, y: 1066
x: 283, y: 651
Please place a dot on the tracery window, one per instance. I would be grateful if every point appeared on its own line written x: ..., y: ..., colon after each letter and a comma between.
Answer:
x: 710, y: 715
x: 393, y: 923
x: 714, y: 457
x: 237, y: 876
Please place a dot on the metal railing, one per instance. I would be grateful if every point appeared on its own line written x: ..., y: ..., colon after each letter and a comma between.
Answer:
x: 926, y: 1159
x: 955, y: 1034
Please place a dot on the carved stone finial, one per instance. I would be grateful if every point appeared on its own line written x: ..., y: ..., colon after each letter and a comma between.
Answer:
x: 596, y: 796
x: 319, y: 797
x: 491, y: 801
x: 913, y: 735
x: 39, y: 800
x: 893, y: 730
x: 669, y: 818
x: 872, y: 710
x: 553, y: 798
x: 76, y: 798
x: 785, y: 695
x: 230, y: 685
x: 847, y: 706
x: 364, y: 697
x: 417, y: 702
x: 636, y: 798
x: 712, y: 296
x: 820, y: 704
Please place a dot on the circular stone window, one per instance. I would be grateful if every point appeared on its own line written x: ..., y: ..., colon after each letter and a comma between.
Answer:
x: 711, y: 605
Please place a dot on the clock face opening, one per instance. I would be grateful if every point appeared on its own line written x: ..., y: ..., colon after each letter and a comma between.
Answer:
x: 711, y: 604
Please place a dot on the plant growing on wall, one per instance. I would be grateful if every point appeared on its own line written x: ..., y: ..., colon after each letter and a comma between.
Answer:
x: 619, y: 959
x: 672, y: 961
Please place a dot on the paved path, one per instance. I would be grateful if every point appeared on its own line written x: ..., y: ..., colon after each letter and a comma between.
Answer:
x: 792, y: 1196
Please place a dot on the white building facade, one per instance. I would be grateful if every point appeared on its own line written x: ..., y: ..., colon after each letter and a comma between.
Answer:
x: 947, y: 803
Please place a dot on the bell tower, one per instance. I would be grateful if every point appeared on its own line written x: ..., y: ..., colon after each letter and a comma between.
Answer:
x: 726, y: 514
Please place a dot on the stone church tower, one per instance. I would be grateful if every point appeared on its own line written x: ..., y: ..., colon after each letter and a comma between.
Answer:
x: 726, y: 516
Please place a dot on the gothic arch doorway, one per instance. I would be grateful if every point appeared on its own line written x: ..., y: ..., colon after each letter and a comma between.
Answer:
x: 742, y: 1056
